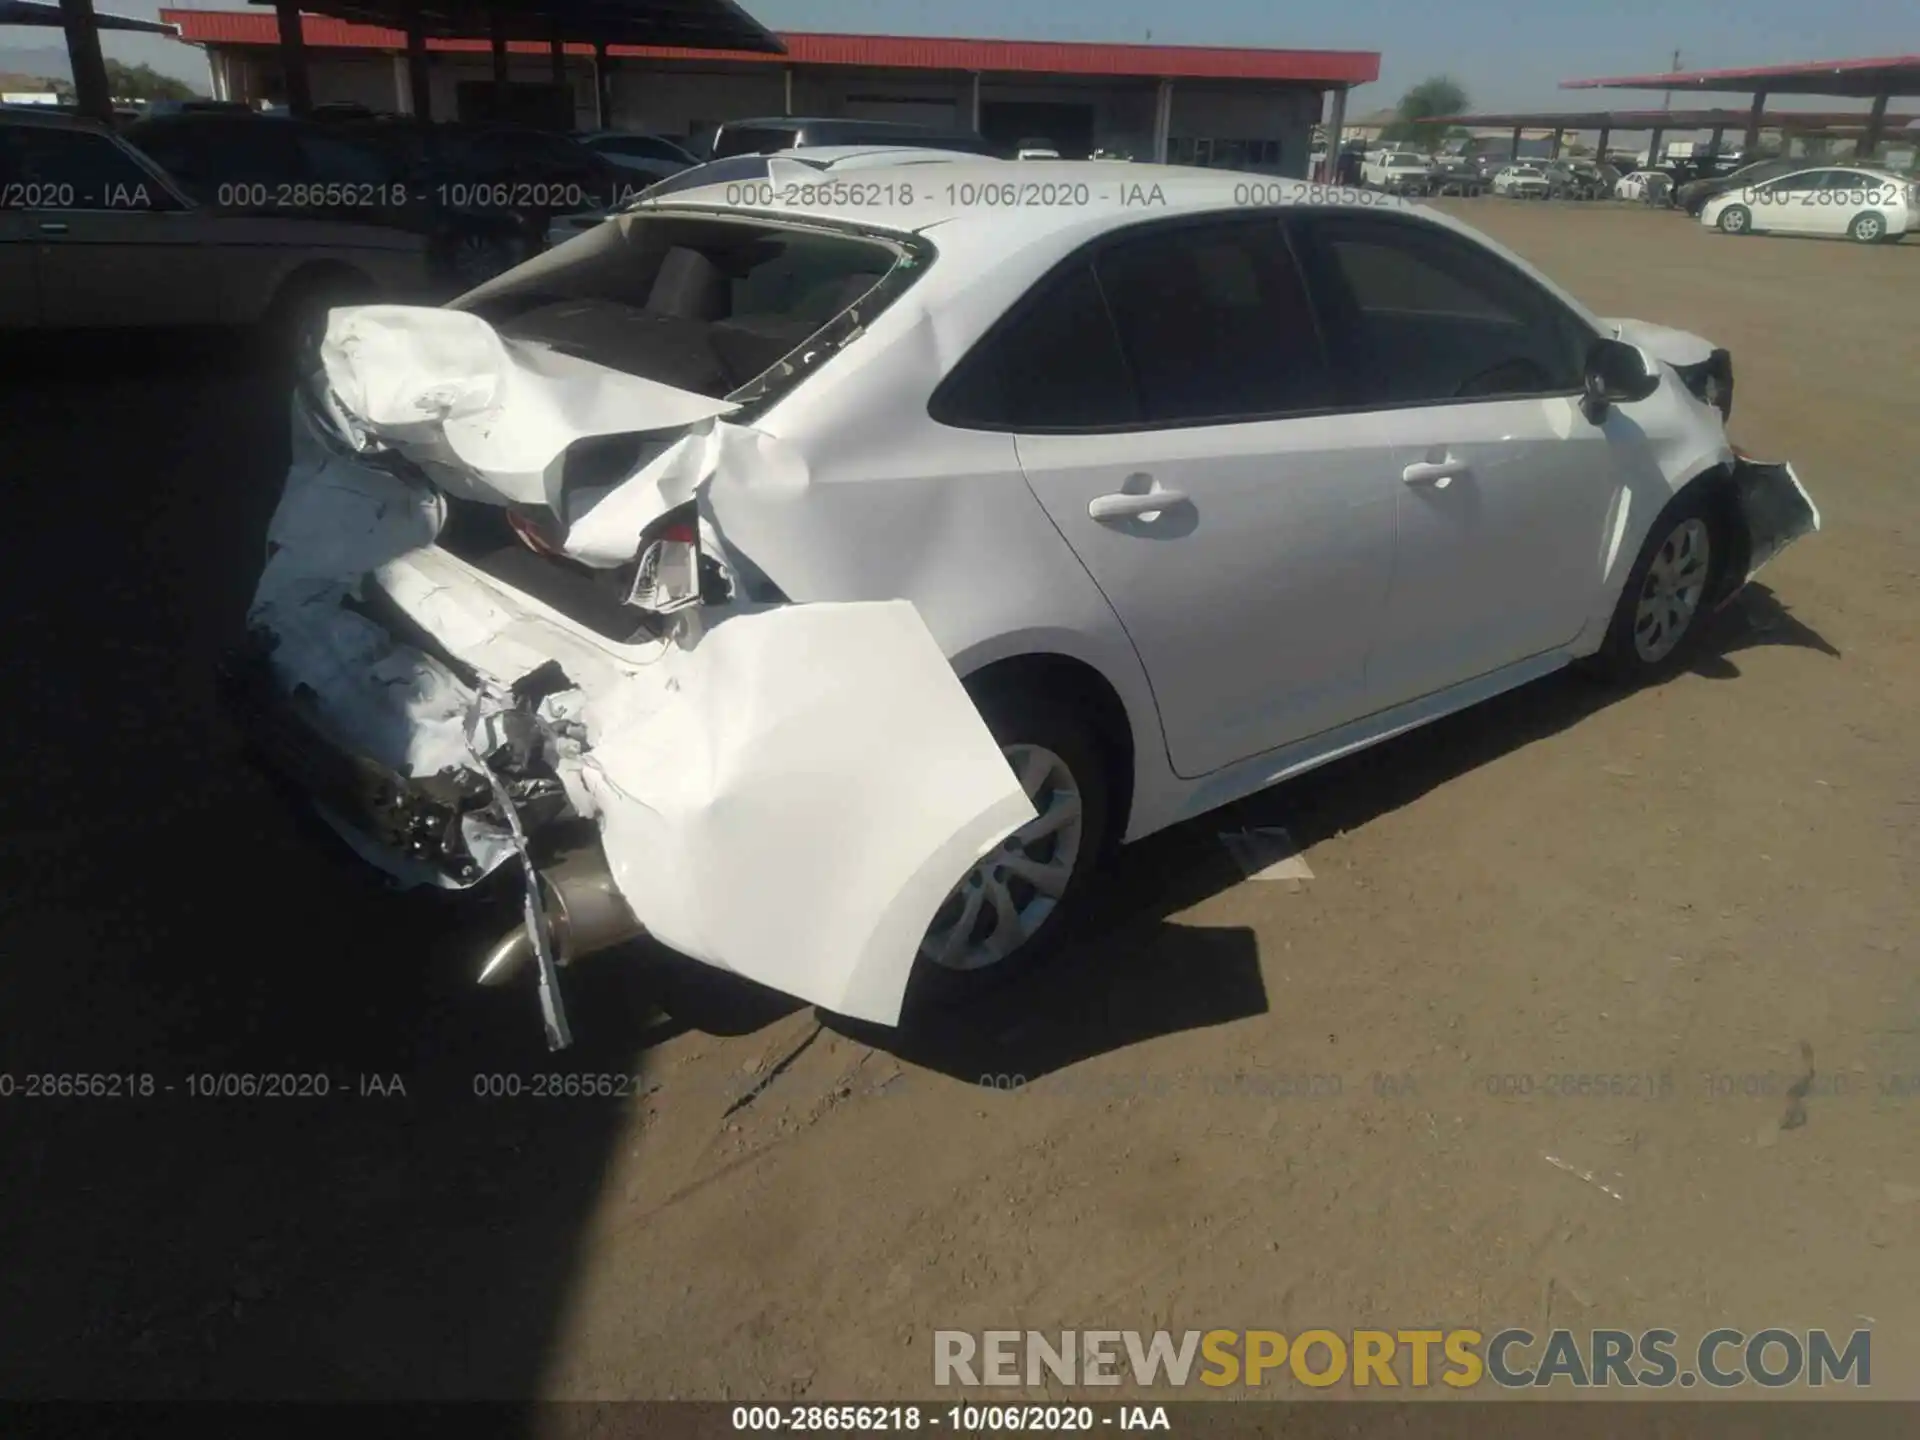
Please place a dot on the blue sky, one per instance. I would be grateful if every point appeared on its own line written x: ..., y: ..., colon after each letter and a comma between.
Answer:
x: 1508, y: 55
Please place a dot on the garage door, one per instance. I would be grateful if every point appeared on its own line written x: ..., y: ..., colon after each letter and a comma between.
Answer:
x: 940, y: 114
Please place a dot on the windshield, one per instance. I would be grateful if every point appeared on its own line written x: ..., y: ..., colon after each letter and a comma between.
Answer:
x: 706, y: 303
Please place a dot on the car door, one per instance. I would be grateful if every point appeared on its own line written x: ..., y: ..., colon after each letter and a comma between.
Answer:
x: 1471, y: 371
x: 122, y: 249
x: 1787, y: 205
x: 1167, y: 391
x: 19, y: 267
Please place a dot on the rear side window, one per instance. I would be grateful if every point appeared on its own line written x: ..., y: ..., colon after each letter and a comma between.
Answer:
x: 1053, y: 364
x: 1415, y: 315
x: 1214, y: 323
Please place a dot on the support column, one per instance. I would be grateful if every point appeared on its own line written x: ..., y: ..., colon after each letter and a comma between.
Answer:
x: 1876, y: 125
x: 1719, y: 134
x: 1753, y: 124
x: 90, y: 94
x: 1513, y: 151
x: 786, y: 90
x: 602, y: 87
x: 1336, y: 123
x: 419, y: 77
x: 497, y: 43
x: 402, y: 87
x: 1556, y: 143
x: 1600, y: 150
x: 1162, y: 121
x: 1653, y: 148
x: 973, y: 102
x: 557, y: 60
x: 293, y: 58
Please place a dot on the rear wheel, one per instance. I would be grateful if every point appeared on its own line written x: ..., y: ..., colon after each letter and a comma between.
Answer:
x: 1012, y: 909
x: 1664, y: 602
x: 1735, y: 220
x: 1869, y: 228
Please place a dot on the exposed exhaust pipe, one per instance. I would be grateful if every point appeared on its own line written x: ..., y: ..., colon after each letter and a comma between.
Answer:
x: 585, y: 913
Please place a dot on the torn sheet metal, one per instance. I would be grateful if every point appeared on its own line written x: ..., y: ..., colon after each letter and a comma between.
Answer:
x: 1776, y: 507
x: 785, y: 792
x: 467, y: 401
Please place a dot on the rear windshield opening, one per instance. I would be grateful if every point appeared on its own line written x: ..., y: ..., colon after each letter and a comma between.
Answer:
x: 701, y: 303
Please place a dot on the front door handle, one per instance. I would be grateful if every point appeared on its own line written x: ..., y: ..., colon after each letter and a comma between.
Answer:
x: 1436, y: 473
x: 1124, y: 506
x: 53, y: 227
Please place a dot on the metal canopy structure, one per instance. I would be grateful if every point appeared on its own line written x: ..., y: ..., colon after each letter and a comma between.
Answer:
x: 699, y: 24
x: 715, y: 24
x: 45, y: 12
x: 1875, y: 79
x: 1660, y: 122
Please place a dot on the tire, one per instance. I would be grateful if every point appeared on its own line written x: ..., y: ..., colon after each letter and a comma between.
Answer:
x: 1639, y: 648
x: 1869, y: 228
x: 1048, y: 743
x: 1735, y: 220
x: 472, y: 255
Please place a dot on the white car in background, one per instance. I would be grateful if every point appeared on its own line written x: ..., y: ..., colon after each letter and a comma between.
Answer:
x: 1646, y: 186
x: 1833, y: 200
x: 844, y: 575
x: 1522, y: 182
x: 1400, y: 172
x: 94, y: 234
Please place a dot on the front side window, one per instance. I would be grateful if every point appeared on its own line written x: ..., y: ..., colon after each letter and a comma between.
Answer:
x: 1415, y: 315
x: 80, y: 170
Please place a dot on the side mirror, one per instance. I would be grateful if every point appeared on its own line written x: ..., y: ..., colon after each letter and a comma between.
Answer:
x: 1617, y: 373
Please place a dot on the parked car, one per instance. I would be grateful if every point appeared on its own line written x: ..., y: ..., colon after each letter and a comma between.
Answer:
x: 1859, y: 203
x: 765, y: 136
x: 651, y: 156
x: 1399, y: 172
x: 1693, y: 195
x: 825, y: 599
x: 1649, y: 187
x: 1526, y: 182
x: 95, y: 234
x: 1576, y: 180
x: 1458, y: 175
x: 481, y: 194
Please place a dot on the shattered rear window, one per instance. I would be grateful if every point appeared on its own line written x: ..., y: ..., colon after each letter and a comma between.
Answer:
x: 704, y: 303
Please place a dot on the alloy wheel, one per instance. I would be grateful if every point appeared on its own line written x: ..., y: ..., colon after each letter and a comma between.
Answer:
x: 1004, y: 900
x: 1671, y: 594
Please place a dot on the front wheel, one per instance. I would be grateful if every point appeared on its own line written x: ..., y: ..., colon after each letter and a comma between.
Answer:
x: 1011, y: 910
x: 1664, y: 601
x: 1735, y: 220
x: 1869, y: 229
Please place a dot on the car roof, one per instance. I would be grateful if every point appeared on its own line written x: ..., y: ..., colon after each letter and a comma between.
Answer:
x: 975, y: 204
x: 50, y: 118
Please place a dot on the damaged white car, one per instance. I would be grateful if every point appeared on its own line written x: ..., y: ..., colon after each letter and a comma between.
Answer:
x: 821, y: 578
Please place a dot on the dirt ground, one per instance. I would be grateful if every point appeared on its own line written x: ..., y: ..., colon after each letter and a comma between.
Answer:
x: 1274, y: 1104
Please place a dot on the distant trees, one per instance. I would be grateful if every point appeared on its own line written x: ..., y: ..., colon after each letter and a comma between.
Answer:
x: 1414, y: 117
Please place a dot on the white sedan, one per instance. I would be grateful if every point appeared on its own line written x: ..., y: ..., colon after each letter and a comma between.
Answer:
x: 845, y: 570
x: 1527, y: 182
x: 1859, y: 203
x: 1647, y: 186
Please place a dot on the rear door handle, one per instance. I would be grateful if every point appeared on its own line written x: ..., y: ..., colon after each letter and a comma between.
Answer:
x: 1127, y: 507
x: 1436, y: 473
x: 53, y: 227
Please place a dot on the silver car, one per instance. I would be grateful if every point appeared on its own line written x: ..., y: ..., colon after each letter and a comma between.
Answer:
x: 94, y: 234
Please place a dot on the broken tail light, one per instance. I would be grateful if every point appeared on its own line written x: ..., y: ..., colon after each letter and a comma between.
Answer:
x: 667, y: 574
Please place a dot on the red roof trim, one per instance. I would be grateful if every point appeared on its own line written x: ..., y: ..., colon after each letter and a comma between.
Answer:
x: 904, y: 52
x: 1807, y: 69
